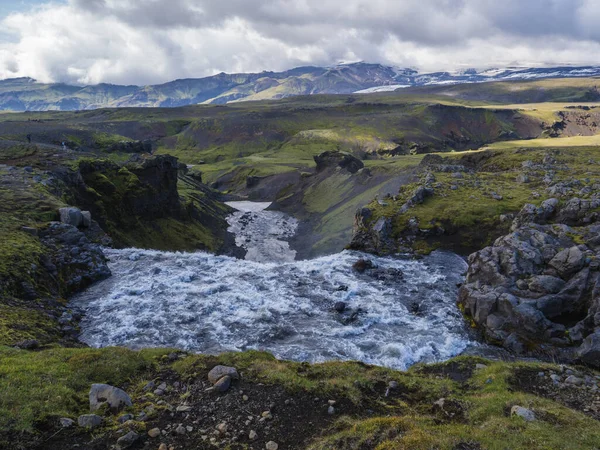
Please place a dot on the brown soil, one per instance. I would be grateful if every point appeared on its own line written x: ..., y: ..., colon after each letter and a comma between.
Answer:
x: 297, y: 418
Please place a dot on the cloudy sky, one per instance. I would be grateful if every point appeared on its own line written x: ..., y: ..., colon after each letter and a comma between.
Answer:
x: 153, y: 41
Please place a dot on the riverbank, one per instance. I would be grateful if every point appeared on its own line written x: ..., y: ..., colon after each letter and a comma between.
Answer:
x: 466, y: 403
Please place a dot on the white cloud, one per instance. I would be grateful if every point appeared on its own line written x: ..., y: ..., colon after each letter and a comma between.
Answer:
x: 152, y: 41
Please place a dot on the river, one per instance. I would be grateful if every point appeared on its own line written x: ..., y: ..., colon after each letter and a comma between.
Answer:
x: 401, y: 313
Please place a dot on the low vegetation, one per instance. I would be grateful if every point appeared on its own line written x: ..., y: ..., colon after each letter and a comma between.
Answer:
x: 38, y: 388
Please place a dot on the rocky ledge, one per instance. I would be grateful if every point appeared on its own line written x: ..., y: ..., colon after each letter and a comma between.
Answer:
x: 538, y: 288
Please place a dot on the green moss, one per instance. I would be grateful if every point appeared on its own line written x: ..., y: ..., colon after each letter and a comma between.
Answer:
x: 55, y: 383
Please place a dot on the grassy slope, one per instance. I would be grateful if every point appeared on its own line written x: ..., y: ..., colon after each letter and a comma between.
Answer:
x: 470, y: 212
x: 40, y: 387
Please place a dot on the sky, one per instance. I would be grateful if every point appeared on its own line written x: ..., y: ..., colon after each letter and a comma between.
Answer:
x: 153, y: 41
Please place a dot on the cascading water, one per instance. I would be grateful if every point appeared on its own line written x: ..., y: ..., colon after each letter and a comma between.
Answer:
x: 207, y: 303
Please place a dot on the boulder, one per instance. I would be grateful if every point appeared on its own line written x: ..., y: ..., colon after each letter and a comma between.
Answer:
x: 340, y: 307
x: 568, y: 261
x: 362, y: 265
x: 526, y: 414
x: 589, y: 351
x: 89, y: 421
x: 128, y: 440
x: 546, y: 284
x: 337, y: 158
x: 71, y: 216
x: 219, y: 372
x: 86, y: 219
x: 102, y: 394
x: 65, y: 422
x: 223, y: 384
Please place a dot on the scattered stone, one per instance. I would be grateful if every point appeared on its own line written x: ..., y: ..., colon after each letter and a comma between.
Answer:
x: 331, y: 410
x: 115, y: 398
x: 184, y: 408
x: 223, y: 384
x: 65, y: 422
x: 271, y: 445
x: 331, y: 402
x: 154, y: 432
x: 124, y: 418
x: 340, y: 307
x: 572, y: 379
x: 267, y: 415
x: 555, y: 378
x: 527, y: 414
x: 245, y: 398
x: 480, y: 366
x: 128, y: 440
x: 219, y: 372
x: 180, y: 430
x: 222, y: 428
x: 362, y: 264
x: 89, y: 421
x: 162, y: 447
x: 189, y: 428
x: 252, y: 435
x: 149, y: 386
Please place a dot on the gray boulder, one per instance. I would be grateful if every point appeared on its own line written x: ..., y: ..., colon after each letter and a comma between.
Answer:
x: 75, y: 217
x: 546, y: 284
x: 128, y: 440
x: 589, y: 352
x: 86, y: 219
x: 526, y: 414
x: 223, y: 384
x: 89, y: 421
x: 219, y: 372
x: 71, y: 216
x: 102, y: 394
x: 65, y: 422
x: 568, y: 261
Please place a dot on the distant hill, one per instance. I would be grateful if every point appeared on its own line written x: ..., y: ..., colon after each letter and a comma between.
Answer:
x: 26, y: 94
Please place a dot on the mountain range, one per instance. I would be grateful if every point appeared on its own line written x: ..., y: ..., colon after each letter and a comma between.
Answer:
x: 26, y: 94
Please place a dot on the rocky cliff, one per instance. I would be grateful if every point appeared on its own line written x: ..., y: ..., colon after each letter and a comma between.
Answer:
x: 538, y: 288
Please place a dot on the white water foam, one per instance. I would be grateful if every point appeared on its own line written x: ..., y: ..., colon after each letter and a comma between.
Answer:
x: 211, y: 304
x: 262, y: 233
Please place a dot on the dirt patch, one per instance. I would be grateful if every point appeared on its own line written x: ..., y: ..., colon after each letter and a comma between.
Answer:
x: 292, y: 419
x: 456, y: 371
x: 583, y: 398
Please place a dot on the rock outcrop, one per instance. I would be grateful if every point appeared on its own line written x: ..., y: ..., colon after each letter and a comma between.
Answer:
x: 71, y: 258
x: 336, y: 158
x: 538, y: 288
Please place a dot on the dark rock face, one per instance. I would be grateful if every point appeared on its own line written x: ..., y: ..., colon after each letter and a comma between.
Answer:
x: 372, y: 238
x: 131, y: 147
x: 72, y: 258
x: 146, y: 189
x: 538, y: 287
x: 418, y: 197
x: 341, y: 159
